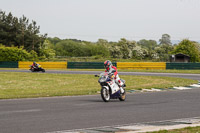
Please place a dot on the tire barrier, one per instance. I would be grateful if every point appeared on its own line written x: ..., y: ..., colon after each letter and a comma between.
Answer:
x: 100, y: 65
x: 86, y: 65
x: 183, y: 66
x: 45, y: 65
x: 141, y: 65
x: 8, y: 64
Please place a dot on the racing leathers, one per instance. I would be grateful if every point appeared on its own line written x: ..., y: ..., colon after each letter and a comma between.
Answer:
x: 35, y: 65
x: 113, y: 69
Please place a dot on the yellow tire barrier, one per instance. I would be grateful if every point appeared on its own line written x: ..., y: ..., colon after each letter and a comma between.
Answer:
x: 141, y: 65
x: 45, y: 65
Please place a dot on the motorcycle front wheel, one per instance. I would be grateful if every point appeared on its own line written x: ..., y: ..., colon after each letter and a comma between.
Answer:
x: 105, y: 94
x: 123, y: 96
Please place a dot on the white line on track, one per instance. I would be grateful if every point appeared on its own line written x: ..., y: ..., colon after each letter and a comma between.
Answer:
x: 19, y: 111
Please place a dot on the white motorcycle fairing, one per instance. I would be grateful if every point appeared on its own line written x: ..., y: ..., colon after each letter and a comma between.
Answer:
x: 113, y: 86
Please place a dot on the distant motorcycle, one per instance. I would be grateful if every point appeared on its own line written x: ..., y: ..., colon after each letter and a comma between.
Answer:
x: 36, y: 69
x: 109, y: 88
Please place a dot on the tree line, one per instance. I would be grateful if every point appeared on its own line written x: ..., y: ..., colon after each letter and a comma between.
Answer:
x: 19, y: 35
x: 126, y: 49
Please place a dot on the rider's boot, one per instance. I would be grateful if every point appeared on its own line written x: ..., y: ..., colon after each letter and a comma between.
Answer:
x: 120, y: 86
x: 121, y: 90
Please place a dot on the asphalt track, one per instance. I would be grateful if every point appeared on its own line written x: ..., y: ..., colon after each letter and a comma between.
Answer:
x: 188, y: 76
x: 39, y: 115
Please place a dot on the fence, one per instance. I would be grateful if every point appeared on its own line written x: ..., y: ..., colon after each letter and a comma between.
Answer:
x: 100, y: 65
x: 8, y: 64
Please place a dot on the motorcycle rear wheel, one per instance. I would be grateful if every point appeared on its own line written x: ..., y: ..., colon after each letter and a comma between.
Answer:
x: 105, y: 95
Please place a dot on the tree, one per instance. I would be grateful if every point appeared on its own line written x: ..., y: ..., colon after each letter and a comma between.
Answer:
x: 19, y: 32
x: 165, y: 39
x: 126, y: 48
x: 163, y: 51
x: 189, y: 48
x: 149, y: 46
x: 115, y: 50
x: 54, y: 40
x: 46, y: 50
x: 139, y: 53
x: 102, y: 42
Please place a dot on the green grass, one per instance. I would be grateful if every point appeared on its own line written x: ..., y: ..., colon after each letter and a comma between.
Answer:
x: 28, y: 85
x: 184, y: 130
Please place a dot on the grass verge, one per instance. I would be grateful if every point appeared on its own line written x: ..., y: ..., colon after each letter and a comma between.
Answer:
x: 184, y: 130
x: 29, y: 85
x: 121, y: 70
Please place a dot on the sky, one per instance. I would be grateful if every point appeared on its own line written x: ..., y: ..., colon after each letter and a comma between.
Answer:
x: 91, y: 20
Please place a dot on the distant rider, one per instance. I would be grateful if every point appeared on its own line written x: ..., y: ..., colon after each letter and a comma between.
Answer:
x: 112, y: 69
x: 35, y: 65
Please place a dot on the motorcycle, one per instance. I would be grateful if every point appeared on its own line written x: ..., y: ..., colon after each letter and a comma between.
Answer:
x: 109, y: 88
x: 36, y: 69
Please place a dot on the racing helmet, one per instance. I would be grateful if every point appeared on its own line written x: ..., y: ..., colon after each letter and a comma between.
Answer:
x: 107, y: 64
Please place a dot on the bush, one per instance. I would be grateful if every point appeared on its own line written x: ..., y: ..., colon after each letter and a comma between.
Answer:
x: 33, y: 56
x: 13, y: 54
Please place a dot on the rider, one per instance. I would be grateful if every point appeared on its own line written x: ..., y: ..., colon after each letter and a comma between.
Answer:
x: 112, y: 69
x: 35, y: 65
